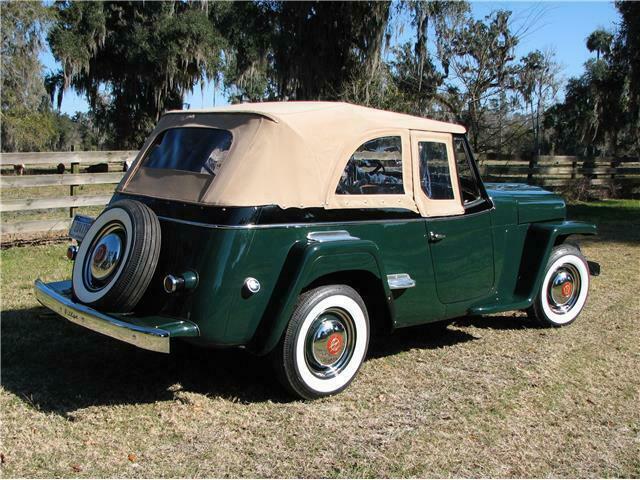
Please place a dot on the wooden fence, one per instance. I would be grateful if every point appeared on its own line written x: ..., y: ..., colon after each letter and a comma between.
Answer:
x: 605, y: 176
x: 552, y: 172
x: 36, y: 164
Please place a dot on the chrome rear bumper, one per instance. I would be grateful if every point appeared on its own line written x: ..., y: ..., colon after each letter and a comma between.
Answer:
x: 57, y: 297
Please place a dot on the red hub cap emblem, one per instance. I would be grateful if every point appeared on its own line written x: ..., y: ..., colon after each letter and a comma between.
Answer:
x: 101, y: 252
x: 334, y: 344
x: 567, y: 288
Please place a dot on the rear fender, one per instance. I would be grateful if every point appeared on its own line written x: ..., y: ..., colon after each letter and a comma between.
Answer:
x: 541, y: 239
x: 307, y: 262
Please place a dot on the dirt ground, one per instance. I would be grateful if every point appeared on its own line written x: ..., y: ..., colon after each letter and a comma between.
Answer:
x: 491, y: 396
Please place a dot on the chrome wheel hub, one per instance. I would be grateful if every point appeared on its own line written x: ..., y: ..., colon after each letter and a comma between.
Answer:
x: 564, y: 288
x: 104, y: 256
x: 330, y: 342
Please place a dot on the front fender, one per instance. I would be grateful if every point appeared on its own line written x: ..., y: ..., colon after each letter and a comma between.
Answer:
x: 541, y: 239
x: 306, y: 262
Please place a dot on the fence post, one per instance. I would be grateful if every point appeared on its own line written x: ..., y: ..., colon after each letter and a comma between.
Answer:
x: 574, y: 167
x: 75, y: 168
x: 532, y: 165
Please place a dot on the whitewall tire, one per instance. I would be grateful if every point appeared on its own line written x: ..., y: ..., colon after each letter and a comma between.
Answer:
x: 564, y: 288
x: 117, y: 258
x: 325, y: 342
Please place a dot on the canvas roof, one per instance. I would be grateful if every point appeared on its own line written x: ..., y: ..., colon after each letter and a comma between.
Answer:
x: 284, y: 153
x: 302, y: 115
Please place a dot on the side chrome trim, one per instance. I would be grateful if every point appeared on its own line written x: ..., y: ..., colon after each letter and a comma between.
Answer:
x: 287, y: 225
x: 253, y: 226
x: 330, y: 236
x: 52, y: 296
x: 400, y: 281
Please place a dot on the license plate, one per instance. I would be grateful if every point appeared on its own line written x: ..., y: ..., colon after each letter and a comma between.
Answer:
x: 79, y: 227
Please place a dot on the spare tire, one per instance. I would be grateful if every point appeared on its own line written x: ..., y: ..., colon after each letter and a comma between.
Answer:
x: 117, y: 258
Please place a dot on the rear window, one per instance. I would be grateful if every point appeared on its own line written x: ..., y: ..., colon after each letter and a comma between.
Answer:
x: 199, y: 150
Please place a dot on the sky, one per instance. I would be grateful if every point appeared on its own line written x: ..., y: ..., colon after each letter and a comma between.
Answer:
x: 560, y: 26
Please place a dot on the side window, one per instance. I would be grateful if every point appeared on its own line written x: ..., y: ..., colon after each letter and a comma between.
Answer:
x: 374, y: 168
x: 435, y: 177
x: 469, y: 182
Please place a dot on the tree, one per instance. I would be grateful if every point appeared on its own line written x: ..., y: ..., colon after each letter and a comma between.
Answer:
x: 133, y: 60
x: 628, y: 54
x: 27, y: 122
x: 601, y: 108
x: 415, y: 72
x: 477, y: 58
x: 302, y: 50
x: 537, y: 84
x: 600, y: 42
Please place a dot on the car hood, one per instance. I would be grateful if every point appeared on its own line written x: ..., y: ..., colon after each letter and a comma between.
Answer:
x: 533, y: 204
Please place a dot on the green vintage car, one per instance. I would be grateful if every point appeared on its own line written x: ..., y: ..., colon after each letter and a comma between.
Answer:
x: 296, y: 229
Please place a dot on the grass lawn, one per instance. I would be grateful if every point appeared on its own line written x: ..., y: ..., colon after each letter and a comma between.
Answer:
x: 491, y: 396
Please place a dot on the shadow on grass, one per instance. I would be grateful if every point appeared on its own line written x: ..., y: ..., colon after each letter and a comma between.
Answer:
x: 433, y: 335
x: 59, y: 367
x: 498, y: 322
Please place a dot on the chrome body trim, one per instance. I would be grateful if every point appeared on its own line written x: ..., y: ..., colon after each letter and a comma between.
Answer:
x: 400, y: 281
x: 251, y: 284
x: 342, y: 223
x: 172, y: 284
x: 54, y: 296
x: 330, y: 236
x: 286, y: 225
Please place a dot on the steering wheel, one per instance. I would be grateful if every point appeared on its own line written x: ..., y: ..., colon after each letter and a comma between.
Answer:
x: 379, y: 166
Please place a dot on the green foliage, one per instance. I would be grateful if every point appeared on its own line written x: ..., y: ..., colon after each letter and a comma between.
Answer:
x: 27, y: 123
x: 600, y: 114
x: 536, y: 86
x: 133, y: 60
x: 600, y: 42
x: 301, y: 50
x: 478, y: 59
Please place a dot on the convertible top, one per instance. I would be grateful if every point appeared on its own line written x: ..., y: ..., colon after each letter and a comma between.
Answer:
x: 306, y: 116
x: 289, y: 154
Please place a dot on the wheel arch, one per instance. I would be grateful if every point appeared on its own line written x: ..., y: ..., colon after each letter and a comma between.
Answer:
x: 370, y: 287
x: 356, y: 263
x: 540, y: 241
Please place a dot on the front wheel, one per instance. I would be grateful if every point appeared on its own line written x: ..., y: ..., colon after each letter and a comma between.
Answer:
x: 564, y: 289
x: 325, y: 342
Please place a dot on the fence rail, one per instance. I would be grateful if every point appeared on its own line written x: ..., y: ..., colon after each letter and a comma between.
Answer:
x: 617, y: 175
x: 622, y: 174
x: 72, y: 162
x: 66, y: 158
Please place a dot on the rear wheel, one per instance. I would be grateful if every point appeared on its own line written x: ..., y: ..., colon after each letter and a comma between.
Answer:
x: 325, y: 342
x: 564, y: 289
x: 117, y: 257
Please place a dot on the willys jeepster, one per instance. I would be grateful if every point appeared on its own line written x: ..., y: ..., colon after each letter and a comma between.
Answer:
x: 295, y: 229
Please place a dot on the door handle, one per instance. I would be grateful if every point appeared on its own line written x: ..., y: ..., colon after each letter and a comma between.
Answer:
x: 436, y: 237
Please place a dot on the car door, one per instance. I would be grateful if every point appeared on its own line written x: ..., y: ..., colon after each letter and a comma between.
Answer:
x: 458, y: 218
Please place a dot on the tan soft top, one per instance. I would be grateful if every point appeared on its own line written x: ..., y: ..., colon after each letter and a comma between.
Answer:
x: 306, y: 116
x: 289, y: 154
